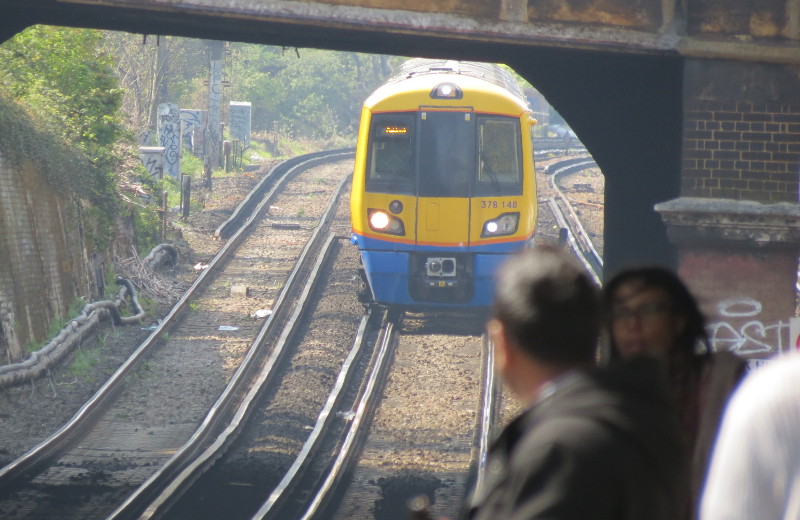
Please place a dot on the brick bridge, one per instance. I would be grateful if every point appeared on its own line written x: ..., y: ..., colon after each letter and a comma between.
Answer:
x: 691, y: 108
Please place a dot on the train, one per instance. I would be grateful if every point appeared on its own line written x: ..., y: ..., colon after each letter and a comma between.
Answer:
x: 443, y: 186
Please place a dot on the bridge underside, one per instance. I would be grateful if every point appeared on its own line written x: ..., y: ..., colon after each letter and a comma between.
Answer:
x: 677, y: 107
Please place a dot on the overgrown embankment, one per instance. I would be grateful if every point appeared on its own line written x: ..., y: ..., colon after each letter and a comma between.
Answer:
x: 59, y: 227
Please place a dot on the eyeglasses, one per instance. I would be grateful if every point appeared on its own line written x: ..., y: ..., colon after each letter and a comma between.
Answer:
x: 643, y: 312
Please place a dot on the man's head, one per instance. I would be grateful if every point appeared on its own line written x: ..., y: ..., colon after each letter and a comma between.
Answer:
x: 547, y: 307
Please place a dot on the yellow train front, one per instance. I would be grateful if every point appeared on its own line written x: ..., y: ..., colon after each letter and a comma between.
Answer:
x: 443, y: 186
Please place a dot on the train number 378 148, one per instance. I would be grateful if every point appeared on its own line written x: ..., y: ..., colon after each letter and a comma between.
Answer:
x: 494, y: 204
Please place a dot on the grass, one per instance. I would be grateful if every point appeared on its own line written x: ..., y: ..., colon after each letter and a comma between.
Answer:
x: 143, y: 371
x: 55, y: 326
x: 83, y: 363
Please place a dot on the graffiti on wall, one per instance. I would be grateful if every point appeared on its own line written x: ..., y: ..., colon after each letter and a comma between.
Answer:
x: 153, y: 160
x: 239, y: 114
x: 194, y: 124
x: 740, y: 331
x: 169, y: 131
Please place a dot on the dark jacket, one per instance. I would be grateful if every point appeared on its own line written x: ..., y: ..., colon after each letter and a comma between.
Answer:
x: 604, y: 445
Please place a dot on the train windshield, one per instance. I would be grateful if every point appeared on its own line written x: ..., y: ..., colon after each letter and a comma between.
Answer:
x: 499, y: 156
x: 391, y: 165
x: 446, y: 151
x: 434, y: 153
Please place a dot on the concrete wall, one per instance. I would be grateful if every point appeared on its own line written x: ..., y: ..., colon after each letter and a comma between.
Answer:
x: 42, y: 262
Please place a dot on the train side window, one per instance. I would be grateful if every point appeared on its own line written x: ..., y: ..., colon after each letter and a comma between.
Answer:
x: 499, y: 152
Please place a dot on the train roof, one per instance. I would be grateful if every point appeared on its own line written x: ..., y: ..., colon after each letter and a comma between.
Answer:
x: 489, y: 72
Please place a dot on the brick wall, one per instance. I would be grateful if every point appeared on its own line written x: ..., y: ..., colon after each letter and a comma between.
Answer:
x: 741, y: 151
x: 741, y: 131
x: 42, y: 266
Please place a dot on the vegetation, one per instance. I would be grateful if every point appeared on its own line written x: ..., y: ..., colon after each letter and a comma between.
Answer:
x: 297, y: 94
x: 60, y: 108
x: 63, y: 79
x: 83, y: 361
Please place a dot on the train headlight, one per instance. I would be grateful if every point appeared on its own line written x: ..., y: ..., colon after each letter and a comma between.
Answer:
x: 382, y: 222
x: 505, y: 224
x: 446, y: 91
x: 378, y: 220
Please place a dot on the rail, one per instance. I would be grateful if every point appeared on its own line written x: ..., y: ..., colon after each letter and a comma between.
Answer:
x: 164, y: 487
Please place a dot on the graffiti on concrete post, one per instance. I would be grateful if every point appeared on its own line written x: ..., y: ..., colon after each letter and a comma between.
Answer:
x: 169, y: 136
x: 740, y: 332
x: 194, y: 124
x: 239, y: 115
x: 214, y: 108
x: 153, y: 160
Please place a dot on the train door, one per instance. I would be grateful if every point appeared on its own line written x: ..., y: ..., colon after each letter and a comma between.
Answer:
x: 446, y: 165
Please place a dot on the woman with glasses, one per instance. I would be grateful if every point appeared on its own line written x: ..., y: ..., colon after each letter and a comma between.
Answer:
x: 651, y: 312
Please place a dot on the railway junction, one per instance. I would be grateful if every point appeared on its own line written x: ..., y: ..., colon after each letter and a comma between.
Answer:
x: 692, y: 112
x: 691, y: 109
x: 418, y: 423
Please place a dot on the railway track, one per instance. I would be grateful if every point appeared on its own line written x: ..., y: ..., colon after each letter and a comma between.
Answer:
x: 114, y: 440
x: 429, y: 434
x: 284, y: 426
x: 293, y: 440
x: 576, y: 202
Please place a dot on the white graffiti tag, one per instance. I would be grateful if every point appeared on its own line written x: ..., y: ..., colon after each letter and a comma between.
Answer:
x: 752, y: 336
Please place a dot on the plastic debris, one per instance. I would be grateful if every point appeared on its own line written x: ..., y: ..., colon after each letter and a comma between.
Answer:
x: 200, y: 266
x: 349, y: 415
x: 228, y: 327
x: 154, y: 326
x: 261, y: 313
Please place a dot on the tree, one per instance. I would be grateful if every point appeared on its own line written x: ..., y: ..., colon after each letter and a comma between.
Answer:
x: 154, y: 70
x: 70, y: 85
x: 308, y: 92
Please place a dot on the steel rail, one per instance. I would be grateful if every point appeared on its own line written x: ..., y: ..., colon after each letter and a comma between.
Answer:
x: 156, y: 495
x: 31, y: 461
x: 487, y: 413
x: 366, y: 405
x: 280, y: 171
x: 570, y: 166
x: 324, y: 420
x: 578, y: 237
x: 594, y: 271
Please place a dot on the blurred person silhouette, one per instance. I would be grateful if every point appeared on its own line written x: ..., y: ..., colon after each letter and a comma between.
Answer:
x: 592, y: 443
x: 652, y: 312
x: 755, y: 466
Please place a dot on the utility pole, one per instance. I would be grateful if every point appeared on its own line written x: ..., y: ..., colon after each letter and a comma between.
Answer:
x: 214, y: 109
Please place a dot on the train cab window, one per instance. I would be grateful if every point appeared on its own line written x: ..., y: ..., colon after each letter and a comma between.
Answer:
x: 499, y: 156
x: 446, y: 151
x: 390, y: 164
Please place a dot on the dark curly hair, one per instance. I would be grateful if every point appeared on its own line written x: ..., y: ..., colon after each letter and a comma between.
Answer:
x: 682, y: 303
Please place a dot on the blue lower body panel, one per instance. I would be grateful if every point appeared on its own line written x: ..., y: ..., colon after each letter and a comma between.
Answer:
x: 387, y: 275
x: 398, y: 278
